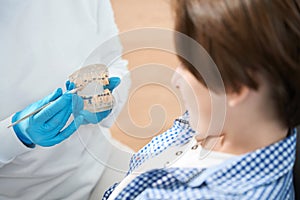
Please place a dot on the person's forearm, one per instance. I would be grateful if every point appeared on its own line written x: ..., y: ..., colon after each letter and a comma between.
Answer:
x: 10, y: 145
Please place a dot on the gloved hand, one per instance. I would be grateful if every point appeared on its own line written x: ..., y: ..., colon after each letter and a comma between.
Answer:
x: 89, y: 117
x: 45, y: 127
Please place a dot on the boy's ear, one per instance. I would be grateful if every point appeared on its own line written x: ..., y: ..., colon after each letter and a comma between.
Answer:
x: 235, y: 98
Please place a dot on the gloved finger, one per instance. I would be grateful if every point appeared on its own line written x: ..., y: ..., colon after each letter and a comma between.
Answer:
x: 102, y: 115
x: 70, y: 85
x: 58, y: 121
x: 77, y: 104
x: 67, y: 132
x: 93, y: 118
x: 52, y: 97
x: 113, y: 83
x: 67, y: 84
x: 47, y: 113
x: 89, y: 116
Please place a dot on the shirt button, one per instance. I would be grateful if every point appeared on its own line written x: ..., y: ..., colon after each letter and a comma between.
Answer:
x: 195, y: 147
x: 178, y: 153
x: 166, y: 164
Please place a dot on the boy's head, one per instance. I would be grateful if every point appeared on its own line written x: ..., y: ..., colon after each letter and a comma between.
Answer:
x: 251, y: 41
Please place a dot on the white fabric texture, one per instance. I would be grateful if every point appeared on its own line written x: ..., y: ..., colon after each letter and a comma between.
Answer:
x: 42, y: 43
x: 265, y: 173
x: 190, y: 155
x: 198, y: 157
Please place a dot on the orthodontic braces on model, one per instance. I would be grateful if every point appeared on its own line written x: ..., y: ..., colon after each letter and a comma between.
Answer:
x: 91, y: 81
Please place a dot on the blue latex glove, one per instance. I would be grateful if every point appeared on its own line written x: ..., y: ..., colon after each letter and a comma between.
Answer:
x: 89, y: 117
x: 45, y: 127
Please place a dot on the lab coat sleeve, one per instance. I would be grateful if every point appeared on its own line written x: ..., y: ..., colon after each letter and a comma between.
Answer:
x: 10, y: 145
x: 110, y: 52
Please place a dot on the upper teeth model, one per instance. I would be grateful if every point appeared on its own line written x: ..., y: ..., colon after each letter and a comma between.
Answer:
x: 91, y: 80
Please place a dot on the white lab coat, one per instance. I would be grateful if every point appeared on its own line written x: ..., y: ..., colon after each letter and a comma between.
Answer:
x: 42, y: 43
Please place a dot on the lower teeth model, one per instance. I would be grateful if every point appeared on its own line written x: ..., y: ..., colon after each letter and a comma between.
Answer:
x: 91, y: 81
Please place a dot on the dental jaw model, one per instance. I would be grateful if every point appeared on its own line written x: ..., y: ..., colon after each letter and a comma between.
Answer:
x: 90, y: 81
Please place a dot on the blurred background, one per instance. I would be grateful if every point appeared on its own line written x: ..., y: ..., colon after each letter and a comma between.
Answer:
x: 133, y: 14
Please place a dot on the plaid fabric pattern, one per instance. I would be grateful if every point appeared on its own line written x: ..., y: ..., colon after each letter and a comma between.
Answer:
x: 263, y: 174
x: 180, y: 133
x: 170, y: 179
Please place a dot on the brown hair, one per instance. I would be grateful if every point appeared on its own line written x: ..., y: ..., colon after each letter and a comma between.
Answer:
x: 246, y: 37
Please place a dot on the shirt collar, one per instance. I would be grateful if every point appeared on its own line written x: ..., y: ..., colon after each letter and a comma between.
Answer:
x: 184, y: 175
x: 244, y: 172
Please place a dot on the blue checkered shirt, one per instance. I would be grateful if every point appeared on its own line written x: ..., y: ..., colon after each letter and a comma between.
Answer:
x: 262, y: 174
